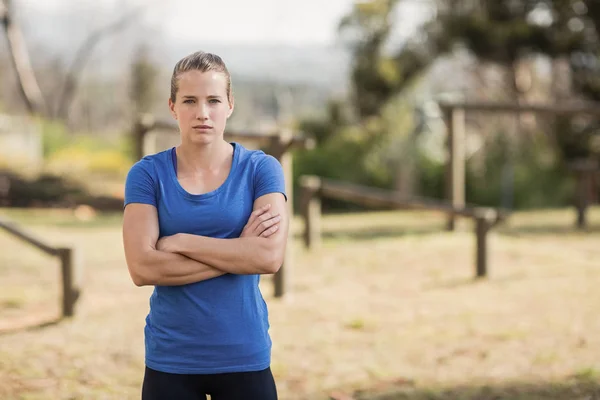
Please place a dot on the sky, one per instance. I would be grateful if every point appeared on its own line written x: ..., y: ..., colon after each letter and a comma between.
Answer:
x: 292, y: 22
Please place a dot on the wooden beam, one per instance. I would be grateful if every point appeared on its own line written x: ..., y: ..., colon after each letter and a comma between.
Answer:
x: 456, y: 163
x: 376, y: 197
x: 483, y: 223
x: 71, y: 268
x: 585, y: 171
x: 311, y: 211
x: 25, y: 236
x: 279, y: 148
x: 314, y: 187
x: 71, y: 273
x: 483, y: 106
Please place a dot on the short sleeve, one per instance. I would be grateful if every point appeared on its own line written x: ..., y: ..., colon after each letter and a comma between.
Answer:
x: 140, y: 187
x: 269, y: 177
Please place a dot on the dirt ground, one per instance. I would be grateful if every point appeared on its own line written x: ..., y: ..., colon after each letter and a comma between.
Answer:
x: 386, y: 309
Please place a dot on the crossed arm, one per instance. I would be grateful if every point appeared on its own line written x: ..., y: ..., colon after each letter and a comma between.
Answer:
x: 183, y: 258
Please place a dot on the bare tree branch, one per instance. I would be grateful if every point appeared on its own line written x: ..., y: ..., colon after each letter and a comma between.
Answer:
x: 82, y: 56
x: 28, y: 84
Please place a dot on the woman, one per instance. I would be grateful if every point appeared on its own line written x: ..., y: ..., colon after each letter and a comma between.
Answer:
x: 189, y: 230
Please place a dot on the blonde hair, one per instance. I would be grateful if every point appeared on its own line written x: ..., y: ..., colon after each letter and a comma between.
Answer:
x: 199, y: 61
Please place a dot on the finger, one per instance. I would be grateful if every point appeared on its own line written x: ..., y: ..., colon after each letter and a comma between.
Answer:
x: 256, y: 225
x: 270, y: 231
x: 257, y: 212
x: 263, y: 226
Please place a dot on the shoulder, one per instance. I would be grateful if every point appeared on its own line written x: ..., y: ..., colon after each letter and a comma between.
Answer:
x: 150, y: 165
x: 256, y: 159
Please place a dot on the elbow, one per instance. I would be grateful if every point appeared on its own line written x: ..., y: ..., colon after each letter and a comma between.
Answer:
x: 274, y: 253
x: 138, y: 277
x: 273, y: 261
x: 139, y: 280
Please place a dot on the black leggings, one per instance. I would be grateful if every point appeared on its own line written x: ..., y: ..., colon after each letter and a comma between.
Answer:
x: 258, y: 385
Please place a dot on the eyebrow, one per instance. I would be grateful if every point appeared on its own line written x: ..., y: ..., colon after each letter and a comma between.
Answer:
x: 212, y: 96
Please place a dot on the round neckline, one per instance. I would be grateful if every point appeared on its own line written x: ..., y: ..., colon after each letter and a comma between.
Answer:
x: 181, y: 189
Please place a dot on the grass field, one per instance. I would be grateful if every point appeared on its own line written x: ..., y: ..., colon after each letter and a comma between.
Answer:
x: 386, y: 309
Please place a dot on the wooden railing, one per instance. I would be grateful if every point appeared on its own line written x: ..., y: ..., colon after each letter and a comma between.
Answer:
x: 314, y: 188
x: 70, y: 266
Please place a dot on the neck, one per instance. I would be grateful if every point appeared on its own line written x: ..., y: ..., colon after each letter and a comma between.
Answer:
x: 204, y: 157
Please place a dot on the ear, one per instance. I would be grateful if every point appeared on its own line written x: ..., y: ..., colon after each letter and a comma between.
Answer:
x: 172, y: 108
x: 231, y: 104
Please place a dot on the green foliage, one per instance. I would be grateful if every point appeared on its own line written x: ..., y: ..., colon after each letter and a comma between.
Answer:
x: 87, y: 154
x: 538, y: 175
x: 365, y: 150
x: 66, y: 153
x: 54, y: 136
x: 143, y: 81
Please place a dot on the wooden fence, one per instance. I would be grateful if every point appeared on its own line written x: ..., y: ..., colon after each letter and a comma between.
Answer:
x: 70, y: 265
x: 314, y: 188
x: 455, y: 118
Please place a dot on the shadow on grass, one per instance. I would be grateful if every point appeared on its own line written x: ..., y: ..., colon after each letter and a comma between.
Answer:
x: 548, y: 229
x: 584, y: 385
x: 28, y: 323
x: 377, y: 233
x: 374, y: 233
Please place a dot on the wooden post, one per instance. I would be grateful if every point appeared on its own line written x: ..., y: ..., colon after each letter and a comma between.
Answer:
x: 142, y: 125
x: 280, y: 150
x: 584, y: 183
x: 70, y: 269
x: 455, y: 167
x: 484, y: 218
x: 311, y: 211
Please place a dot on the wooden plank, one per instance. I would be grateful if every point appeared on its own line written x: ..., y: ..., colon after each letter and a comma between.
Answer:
x: 20, y: 233
x: 483, y: 106
x: 376, y: 197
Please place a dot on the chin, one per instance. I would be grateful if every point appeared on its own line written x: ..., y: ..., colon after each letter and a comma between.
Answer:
x: 202, y: 138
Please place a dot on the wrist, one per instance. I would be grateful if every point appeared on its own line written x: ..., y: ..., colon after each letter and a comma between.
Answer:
x: 178, y: 243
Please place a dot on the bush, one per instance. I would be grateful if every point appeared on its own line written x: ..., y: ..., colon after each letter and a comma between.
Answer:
x: 535, y: 169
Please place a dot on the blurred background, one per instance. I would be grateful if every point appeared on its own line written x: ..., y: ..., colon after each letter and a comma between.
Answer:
x: 404, y: 112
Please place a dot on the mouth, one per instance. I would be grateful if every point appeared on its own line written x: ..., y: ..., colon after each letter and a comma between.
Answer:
x: 202, y: 127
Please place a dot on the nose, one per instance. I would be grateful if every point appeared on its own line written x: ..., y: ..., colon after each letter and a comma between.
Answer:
x: 202, y: 112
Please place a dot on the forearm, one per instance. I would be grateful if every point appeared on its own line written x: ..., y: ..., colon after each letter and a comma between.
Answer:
x: 245, y: 255
x: 159, y: 268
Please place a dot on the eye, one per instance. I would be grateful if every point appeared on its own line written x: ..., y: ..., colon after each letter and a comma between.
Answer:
x: 214, y: 101
x: 188, y: 101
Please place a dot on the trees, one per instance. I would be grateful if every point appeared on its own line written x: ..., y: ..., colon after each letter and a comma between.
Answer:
x: 28, y: 84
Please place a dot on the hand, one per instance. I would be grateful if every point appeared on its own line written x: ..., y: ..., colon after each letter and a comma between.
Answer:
x: 262, y: 223
x: 166, y: 244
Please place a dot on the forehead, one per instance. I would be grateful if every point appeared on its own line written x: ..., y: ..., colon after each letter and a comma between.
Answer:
x: 197, y: 82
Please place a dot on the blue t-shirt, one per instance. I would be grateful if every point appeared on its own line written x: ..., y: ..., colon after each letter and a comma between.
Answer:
x: 221, y: 324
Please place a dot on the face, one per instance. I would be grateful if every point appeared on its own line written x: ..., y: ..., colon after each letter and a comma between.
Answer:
x: 201, y: 107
